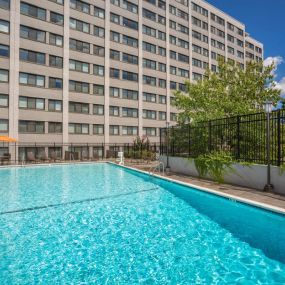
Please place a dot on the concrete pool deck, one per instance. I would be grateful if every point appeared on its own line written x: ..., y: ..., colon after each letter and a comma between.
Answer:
x: 271, y: 201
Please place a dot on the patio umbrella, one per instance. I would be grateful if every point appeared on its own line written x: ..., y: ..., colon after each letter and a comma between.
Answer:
x: 7, y: 139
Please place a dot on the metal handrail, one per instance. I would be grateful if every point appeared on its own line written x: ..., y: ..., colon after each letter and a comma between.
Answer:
x: 157, y: 167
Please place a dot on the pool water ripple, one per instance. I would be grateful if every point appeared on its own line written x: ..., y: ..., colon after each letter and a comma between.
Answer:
x: 150, y: 237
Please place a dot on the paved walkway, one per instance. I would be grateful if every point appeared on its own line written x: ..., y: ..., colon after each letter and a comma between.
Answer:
x: 270, y: 199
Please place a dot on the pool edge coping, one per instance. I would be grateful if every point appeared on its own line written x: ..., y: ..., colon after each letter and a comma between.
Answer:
x: 51, y: 164
x: 231, y: 197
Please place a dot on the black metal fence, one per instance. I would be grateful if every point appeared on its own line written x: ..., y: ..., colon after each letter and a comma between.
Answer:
x: 242, y: 136
x: 22, y: 153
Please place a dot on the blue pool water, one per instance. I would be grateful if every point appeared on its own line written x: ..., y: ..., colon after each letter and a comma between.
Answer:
x: 102, y: 224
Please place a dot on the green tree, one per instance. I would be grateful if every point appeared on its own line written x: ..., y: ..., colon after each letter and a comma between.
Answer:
x: 229, y: 92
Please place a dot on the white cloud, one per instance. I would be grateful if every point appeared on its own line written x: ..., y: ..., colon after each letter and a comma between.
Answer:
x: 277, y: 60
x: 273, y: 59
x: 281, y: 85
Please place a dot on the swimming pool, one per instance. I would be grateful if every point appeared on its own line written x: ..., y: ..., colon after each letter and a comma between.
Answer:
x: 104, y: 224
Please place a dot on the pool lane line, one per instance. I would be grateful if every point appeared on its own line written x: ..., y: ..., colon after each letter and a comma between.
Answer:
x: 77, y: 202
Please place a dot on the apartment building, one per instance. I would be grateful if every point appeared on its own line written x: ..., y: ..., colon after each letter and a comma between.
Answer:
x: 103, y: 71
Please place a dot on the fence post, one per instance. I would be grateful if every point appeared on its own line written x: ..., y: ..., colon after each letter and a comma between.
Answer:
x: 189, y: 137
x: 210, y: 137
x: 278, y: 138
x: 238, y: 138
x: 15, y: 150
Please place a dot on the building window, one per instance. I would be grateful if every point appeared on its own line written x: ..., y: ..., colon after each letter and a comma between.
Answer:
x: 32, y: 79
x: 130, y: 6
x: 129, y: 58
x: 78, y: 66
x: 31, y: 56
x: 131, y: 76
x: 116, y: 2
x: 114, y: 73
x: 114, y: 92
x: 55, y: 61
x: 4, y: 125
x: 61, y: 2
x: 55, y: 127
x: 32, y: 127
x: 79, y: 25
x: 114, y: 130
x: 31, y: 103
x: 82, y: 129
x: 98, y: 50
x: 197, y: 76
x: 114, y: 18
x: 98, y: 129
x: 79, y: 46
x: 98, y: 89
x: 55, y: 83
x: 162, y: 116
x: 56, y: 40
x: 173, y: 85
x: 56, y: 18
x: 130, y: 24
x: 149, y: 97
x: 149, y: 80
x: 149, y: 15
x: 98, y: 12
x: 115, y: 37
x: 162, y: 67
x: 98, y: 70
x: 130, y: 41
x: 130, y: 130
x: 80, y: 6
x: 130, y: 94
x: 4, y: 50
x: 149, y: 132
x: 149, y: 47
x: 5, y: 4
x: 149, y: 114
x: 76, y: 107
x: 4, y: 100
x: 4, y: 75
x: 33, y: 11
x: 162, y: 51
x: 99, y: 32
x: 114, y: 54
x: 114, y: 111
x: 32, y: 34
x: 76, y: 86
x: 98, y: 109
x: 55, y: 105
x: 173, y: 117
x: 162, y: 99
x: 130, y: 112
x: 162, y: 83
x: 149, y: 31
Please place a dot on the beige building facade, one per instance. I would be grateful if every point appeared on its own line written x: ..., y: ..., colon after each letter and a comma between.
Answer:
x: 104, y: 71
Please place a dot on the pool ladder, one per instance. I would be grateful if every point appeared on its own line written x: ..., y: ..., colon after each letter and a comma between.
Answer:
x: 157, y: 168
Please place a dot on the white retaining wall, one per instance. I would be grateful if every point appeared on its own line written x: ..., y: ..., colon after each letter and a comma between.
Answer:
x: 253, y: 176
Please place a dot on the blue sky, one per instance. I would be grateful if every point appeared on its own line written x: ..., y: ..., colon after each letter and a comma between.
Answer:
x: 265, y: 21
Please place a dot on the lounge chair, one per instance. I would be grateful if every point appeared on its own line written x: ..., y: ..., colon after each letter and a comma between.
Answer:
x: 96, y: 156
x: 31, y: 157
x: 111, y: 154
x: 5, y: 158
x: 44, y: 157
x: 84, y: 155
x: 54, y: 156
